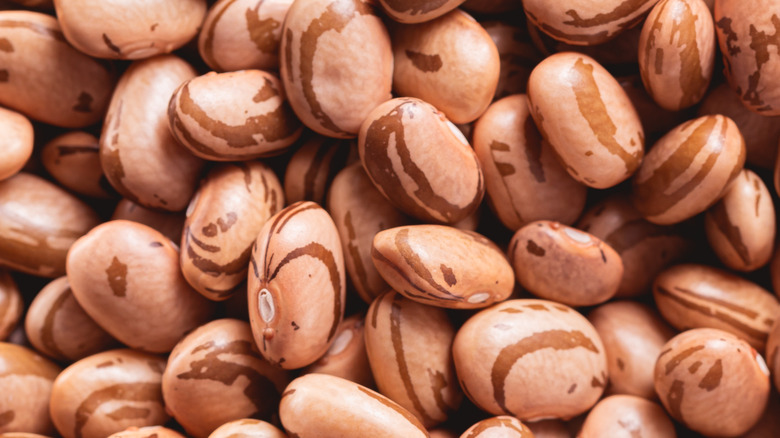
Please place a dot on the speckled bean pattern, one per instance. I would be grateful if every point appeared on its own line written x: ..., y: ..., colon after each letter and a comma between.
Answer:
x: 450, y: 62
x: 525, y: 181
x: 688, y: 169
x: 129, y: 30
x: 360, y: 211
x: 677, y: 52
x: 26, y: 379
x: 243, y: 34
x: 443, y: 266
x: 583, y: 22
x: 692, y: 296
x: 336, y: 63
x: 311, y: 168
x: 747, y: 34
x: 250, y: 119
x: 39, y: 222
x: 741, y: 227
x: 532, y: 359
x: 216, y: 374
x: 107, y: 393
x: 69, y: 90
x: 57, y: 326
x: 127, y: 277
x: 563, y: 264
x: 138, y: 153
x: 400, y: 143
x: 323, y: 406
x: 296, y: 285
x: 231, y: 206
x: 588, y: 119
x: 408, y: 346
x: 712, y: 382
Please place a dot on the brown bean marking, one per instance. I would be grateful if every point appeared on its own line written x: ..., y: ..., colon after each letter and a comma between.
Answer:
x: 509, y: 355
x: 711, y: 380
x: 84, y: 103
x: 128, y: 413
x: 6, y: 46
x: 533, y: 149
x: 679, y: 357
x: 3, y: 75
x: 7, y: 417
x: 261, y: 32
x: 354, y: 253
x: 731, y: 232
x: 621, y: 12
x: 111, y: 46
x: 414, y: 261
x: 47, y: 331
x: 121, y: 392
x: 208, y: 43
x: 117, y: 277
x: 534, y: 249
x: 259, y: 389
x: 674, y: 399
x: 500, y: 423
x: 760, y: 42
x: 392, y: 405
x: 449, y: 276
x: 424, y: 63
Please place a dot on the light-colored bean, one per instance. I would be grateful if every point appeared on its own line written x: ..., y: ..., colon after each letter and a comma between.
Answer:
x: 16, y: 143
x: 231, y: 206
x: 503, y: 426
x: 627, y: 416
x: 11, y: 305
x: 147, y: 432
x: 296, y: 285
x: 400, y: 145
x: 347, y: 357
x: 38, y: 224
x: 248, y: 428
x: 26, y: 379
x: 126, y: 276
x: 73, y: 159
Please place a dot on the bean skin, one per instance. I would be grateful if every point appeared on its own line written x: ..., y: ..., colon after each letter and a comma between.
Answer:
x: 16, y: 144
x: 248, y: 428
x: 347, y: 357
x: 11, y: 304
x: 626, y: 416
x: 417, y: 11
x: 503, y: 426
x: 296, y: 285
x: 73, y: 159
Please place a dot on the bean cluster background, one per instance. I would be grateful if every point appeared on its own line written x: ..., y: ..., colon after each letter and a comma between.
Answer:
x: 389, y: 218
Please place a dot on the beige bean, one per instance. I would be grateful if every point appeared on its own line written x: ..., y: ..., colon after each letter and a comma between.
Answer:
x: 336, y: 63
x: 587, y: 118
x: 126, y: 276
x: 525, y: 181
x: 677, y: 52
x: 108, y: 392
x: 360, y: 211
x: 644, y: 247
x: 296, y: 286
x: 761, y: 133
x: 169, y: 224
x: 233, y: 116
x: 627, y: 416
x: 564, y: 264
x: 147, y: 432
x: 772, y: 353
x: 323, y: 406
x: 216, y: 374
x: 741, y: 226
x: 243, y: 34
x: 443, y: 266
x: 247, y: 428
x: 73, y: 159
x: 231, y: 206
x: 38, y: 224
x: 11, y: 305
x: 745, y: 38
x: 420, y: 183
x: 533, y: 359
x: 57, y: 326
x: 633, y: 335
x: 517, y: 56
x: 583, y: 22
x: 694, y: 296
x: 140, y: 157
x: 16, y: 144
x: 503, y: 426
x: 129, y: 30
x: 450, y: 62
x: 408, y: 346
x: 26, y: 379
x: 712, y: 382
x: 70, y: 90
x: 311, y: 168
x: 417, y: 11
x: 688, y: 169
x: 347, y: 357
